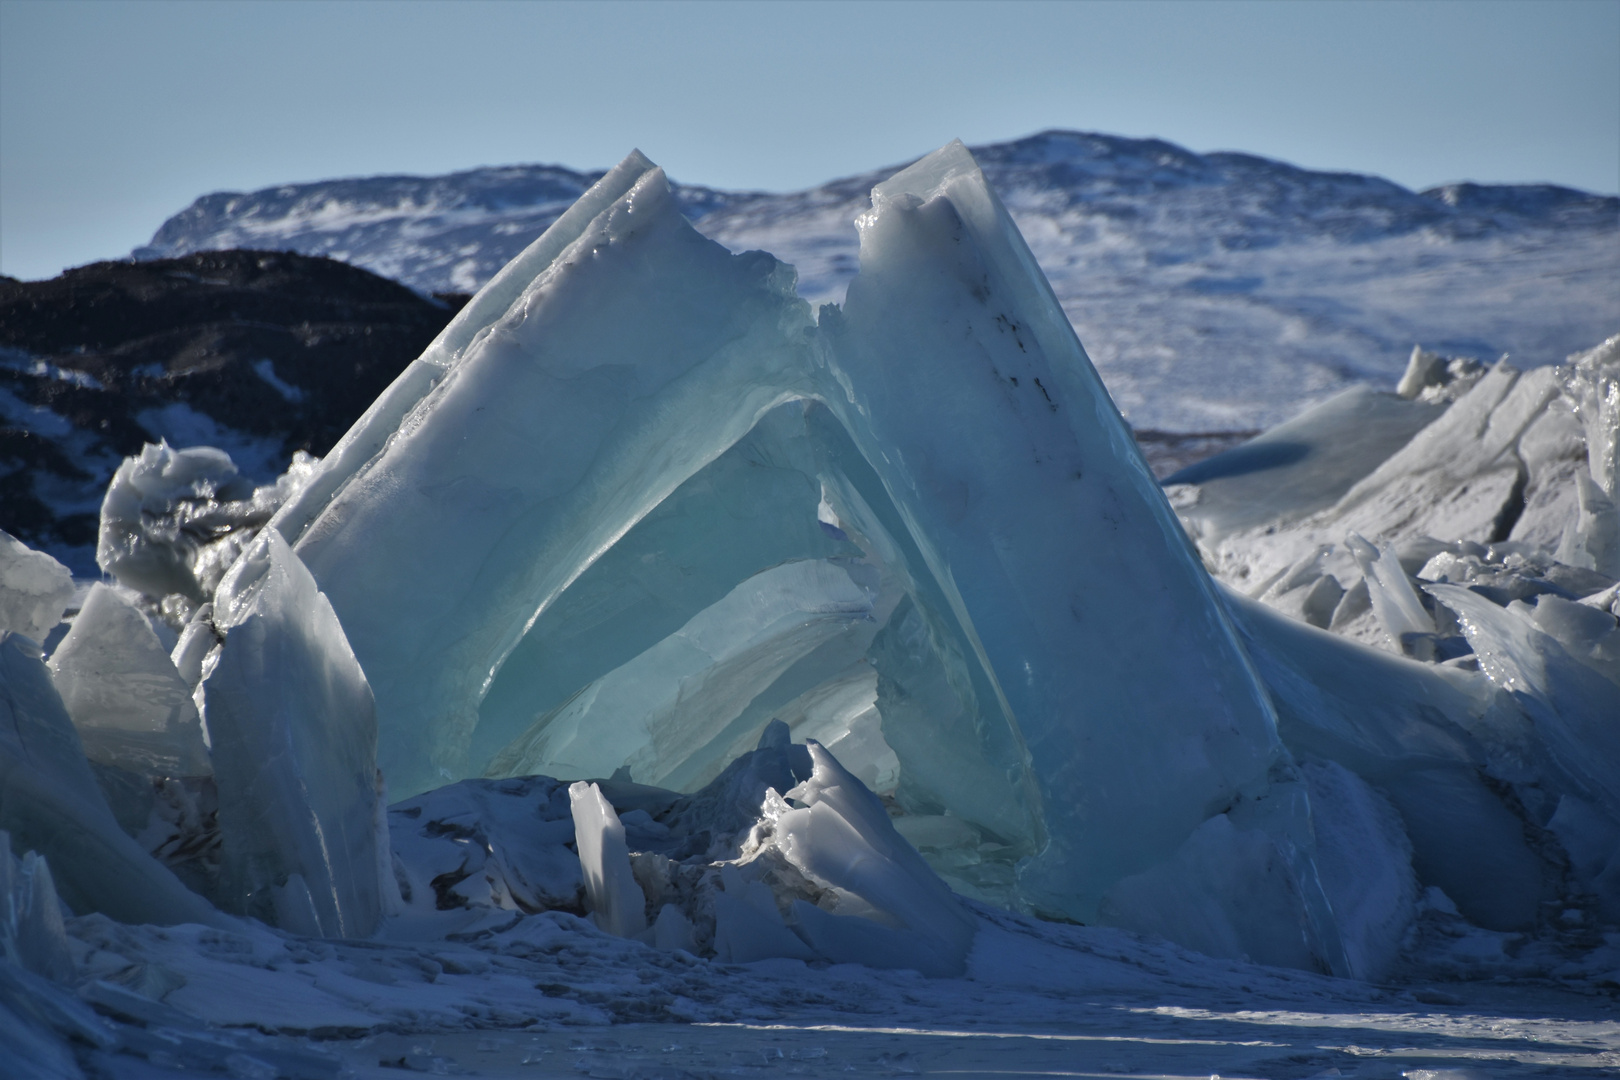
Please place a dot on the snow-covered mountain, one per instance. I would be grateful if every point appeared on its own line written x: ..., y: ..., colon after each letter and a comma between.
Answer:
x: 1215, y: 292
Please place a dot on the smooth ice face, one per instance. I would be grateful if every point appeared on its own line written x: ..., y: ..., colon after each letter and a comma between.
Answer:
x: 130, y: 706
x: 34, y: 589
x: 50, y: 803
x: 294, y: 748
x: 671, y: 704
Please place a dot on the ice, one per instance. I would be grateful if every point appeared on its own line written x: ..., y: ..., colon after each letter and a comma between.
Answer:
x: 34, y: 589
x: 174, y: 521
x: 1571, y: 706
x: 643, y: 352
x: 1303, y: 465
x: 668, y: 706
x: 1409, y: 628
x: 1364, y: 858
x: 843, y: 840
x: 129, y: 704
x: 1420, y: 734
x: 294, y: 750
x: 1057, y: 554
x: 616, y: 902
x: 971, y: 663
x: 31, y: 930
x: 49, y: 802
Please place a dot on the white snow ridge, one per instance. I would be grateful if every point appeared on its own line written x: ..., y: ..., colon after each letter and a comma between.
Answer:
x: 833, y: 690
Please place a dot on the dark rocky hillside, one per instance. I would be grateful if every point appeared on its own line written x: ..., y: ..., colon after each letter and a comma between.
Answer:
x: 260, y: 353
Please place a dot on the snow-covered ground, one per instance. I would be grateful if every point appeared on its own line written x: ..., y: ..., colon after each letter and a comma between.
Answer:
x: 550, y: 995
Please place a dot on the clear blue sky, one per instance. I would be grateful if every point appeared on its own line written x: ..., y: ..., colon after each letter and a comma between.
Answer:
x: 115, y: 115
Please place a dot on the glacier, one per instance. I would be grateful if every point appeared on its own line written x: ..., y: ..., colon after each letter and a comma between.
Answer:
x: 676, y: 615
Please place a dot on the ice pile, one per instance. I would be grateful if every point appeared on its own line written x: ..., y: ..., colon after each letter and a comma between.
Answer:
x: 755, y: 631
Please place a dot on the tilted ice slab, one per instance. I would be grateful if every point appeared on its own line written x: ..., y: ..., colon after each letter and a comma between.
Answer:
x: 1058, y: 643
x: 129, y: 704
x: 294, y: 752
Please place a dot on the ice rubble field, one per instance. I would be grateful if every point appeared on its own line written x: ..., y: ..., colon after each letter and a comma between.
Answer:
x: 664, y: 678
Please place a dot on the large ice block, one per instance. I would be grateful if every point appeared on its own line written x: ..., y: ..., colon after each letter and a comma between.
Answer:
x: 128, y: 702
x: 970, y: 395
x: 294, y: 747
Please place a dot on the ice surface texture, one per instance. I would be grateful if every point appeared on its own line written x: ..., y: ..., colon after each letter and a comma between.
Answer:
x: 1039, y: 589
x: 294, y: 753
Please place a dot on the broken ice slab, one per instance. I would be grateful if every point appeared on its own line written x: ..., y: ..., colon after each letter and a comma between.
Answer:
x: 50, y: 803
x: 129, y: 704
x: 294, y: 751
x: 34, y: 589
x: 843, y: 840
x: 1571, y: 706
x: 1303, y: 465
x: 1063, y: 564
x: 31, y: 929
x: 1421, y: 734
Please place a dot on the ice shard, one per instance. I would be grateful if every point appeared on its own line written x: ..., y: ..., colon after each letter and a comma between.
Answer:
x: 842, y: 838
x: 615, y: 901
x: 294, y: 751
x: 34, y: 589
x: 130, y: 706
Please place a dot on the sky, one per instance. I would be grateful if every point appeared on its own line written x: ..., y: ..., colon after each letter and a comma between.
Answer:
x: 113, y: 116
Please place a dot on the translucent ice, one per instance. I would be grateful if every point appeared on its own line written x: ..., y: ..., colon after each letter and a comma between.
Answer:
x: 294, y: 749
x: 675, y: 700
x: 34, y: 589
x: 31, y: 930
x: 127, y: 700
x: 615, y: 901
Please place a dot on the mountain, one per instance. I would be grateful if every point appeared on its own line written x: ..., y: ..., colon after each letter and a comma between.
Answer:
x: 1215, y: 292
x: 259, y: 353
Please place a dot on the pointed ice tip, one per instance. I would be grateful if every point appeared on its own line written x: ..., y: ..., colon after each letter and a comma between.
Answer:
x: 926, y: 176
x: 636, y: 161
